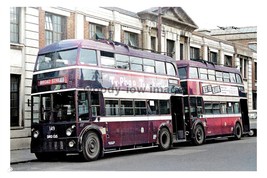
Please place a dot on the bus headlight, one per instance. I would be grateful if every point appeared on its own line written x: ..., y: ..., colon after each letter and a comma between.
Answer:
x: 35, y: 133
x: 68, y: 132
x: 71, y: 143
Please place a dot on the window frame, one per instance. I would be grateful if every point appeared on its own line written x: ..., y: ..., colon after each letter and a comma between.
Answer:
x: 15, y: 13
x: 88, y: 63
x: 203, y: 72
x: 52, y: 21
x: 15, y: 92
x: 122, y: 59
x: 131, y: 39
x: 191, y: 72
x: 96, y: 30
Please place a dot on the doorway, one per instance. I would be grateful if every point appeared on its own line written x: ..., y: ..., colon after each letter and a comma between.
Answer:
x: 244, y: 115
x: 178, y: 117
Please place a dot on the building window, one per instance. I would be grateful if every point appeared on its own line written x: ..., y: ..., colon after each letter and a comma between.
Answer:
x: 228, y: 60
x: 131, y: 39
x: 14, y: 24
x: 243, y: 67
x: 194, y: 53
x: 55, y: 28
x: 170, y: 48
x: 254, y: 95
x: 213, y: 57
x: 96, y: 31
x: 181, y: 51
x: 14, y: 100
x: 255, y: 64
x: 153, y: 43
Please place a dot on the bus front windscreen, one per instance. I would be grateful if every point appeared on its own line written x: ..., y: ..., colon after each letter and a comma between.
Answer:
x: 53, y: 107
x: 56, y: 59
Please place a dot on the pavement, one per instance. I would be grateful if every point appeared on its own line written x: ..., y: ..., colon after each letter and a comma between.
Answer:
x: 19, y: 156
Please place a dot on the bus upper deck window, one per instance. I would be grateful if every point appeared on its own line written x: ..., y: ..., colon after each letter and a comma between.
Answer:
x: 136, y: 63
x: 232, y: 78
x: 238, y: 78
x: 56, y: 59
x: 182, y: 72
x: 122, y: 62
x: 107, y: 59
x: 219, y: 76
x: 160, y: 67
x: 149, y: 65
x: 88, y: 56
x: 203, y: 73
x: 226, y: 77
x: 193, y: 72
x: 170, y: 69
x: 211, y: 74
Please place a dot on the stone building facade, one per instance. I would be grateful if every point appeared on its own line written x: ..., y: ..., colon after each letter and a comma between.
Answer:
x: 24, y: 45
x: 168, y: 30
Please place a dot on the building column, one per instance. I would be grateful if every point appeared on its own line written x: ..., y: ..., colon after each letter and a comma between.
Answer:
x: 79, y: 26
x: 204, y: 49
x: 146, y: 36
x: 236, y: 61
x: 221, y: 57
x: 187, y: 48
x: 177, y: 47
x: 249, y: 83
x: 117, y: 27
x: 117, y: 32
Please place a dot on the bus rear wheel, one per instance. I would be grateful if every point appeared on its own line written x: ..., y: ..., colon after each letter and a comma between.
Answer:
x: 199, y: 136
x: 91, y: 146
x: 238, y: 131
x: 164, y: 139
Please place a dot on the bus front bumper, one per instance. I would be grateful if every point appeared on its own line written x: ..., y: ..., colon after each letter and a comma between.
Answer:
x: 70, y: 145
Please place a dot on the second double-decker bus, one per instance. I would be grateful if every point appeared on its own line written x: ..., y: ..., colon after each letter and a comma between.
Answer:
x: 215, y: 103
x: 95, y: 97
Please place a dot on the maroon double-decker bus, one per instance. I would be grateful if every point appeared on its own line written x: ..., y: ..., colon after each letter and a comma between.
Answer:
x: 215, y: 103
x: 95, y: 97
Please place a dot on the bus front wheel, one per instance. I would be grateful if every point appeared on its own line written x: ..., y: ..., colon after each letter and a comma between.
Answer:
x: 164, y: 139
x: 91, y: 146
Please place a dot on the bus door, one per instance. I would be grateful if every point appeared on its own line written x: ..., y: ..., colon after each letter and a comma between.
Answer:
x: 244, y: 115
x: 178, y: 117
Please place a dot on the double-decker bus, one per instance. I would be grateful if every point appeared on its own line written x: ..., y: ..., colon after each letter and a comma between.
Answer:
x: 95, y: 97
x: 215, y: 103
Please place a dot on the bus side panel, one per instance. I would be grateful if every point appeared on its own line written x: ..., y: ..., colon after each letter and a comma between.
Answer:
x: 113, y: 135
x: 141, y: 132
x: 228, y: 124
x: 128, y: 132
x: 213, y: 126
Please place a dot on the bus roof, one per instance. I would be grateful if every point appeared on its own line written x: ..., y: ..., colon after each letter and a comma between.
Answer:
x: 102, y: 45
x: 206, y: 65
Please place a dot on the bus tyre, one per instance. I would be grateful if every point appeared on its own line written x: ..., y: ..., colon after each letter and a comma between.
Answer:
x: 164, y: 139
x: 91, y: 146
x: 199, y: 136
x: 238, y: 131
